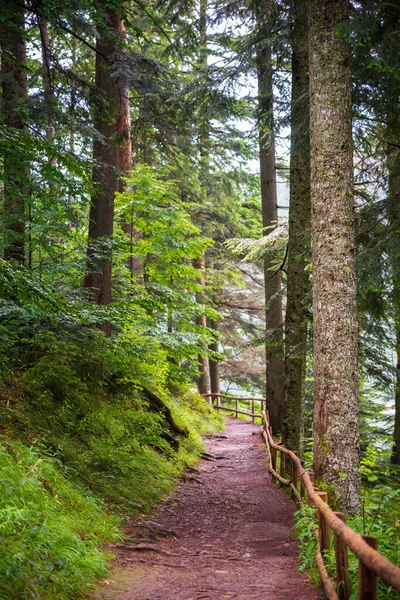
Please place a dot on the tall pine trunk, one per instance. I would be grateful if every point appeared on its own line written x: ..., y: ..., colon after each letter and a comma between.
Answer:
x: 16, y: 170
x: 124, y: 144
x: 47, y: 83
x: 201, y: 320
x: 391, y: 23
x: 299, y: 224
x: 393, y: 164
x: 273, y: 302
x: 336, y: 403
x: 105, y: 154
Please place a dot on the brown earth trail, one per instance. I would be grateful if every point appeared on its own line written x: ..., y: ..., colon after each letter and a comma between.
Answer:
x: 224, y: 533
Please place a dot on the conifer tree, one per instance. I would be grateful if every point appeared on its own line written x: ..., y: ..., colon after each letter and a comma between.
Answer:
x: 336, y: 403
x: 14, y: 96
x: 299, y: 224
x: 201, y: 320
x: 272, y: 280
x: 105, y: 154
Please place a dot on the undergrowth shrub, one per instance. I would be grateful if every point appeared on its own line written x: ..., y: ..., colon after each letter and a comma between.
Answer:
x: 49, y: 530
x: 379, y: 517
x: 81, y: 444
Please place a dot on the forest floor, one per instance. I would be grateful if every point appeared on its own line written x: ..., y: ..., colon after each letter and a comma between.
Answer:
x: 224, y: 533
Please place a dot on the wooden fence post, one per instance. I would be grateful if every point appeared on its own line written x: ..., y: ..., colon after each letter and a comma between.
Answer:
x: 323, y: 526
x: 237, y: 407
x: 273, y: 457
x: 367, y: 580
x: 252, y: 409
x: 309, y: 501
x: 302, y: 486
x: 282, y: 469
x: 342, y: 564
x: 293, y: 477
x: 218, y: 400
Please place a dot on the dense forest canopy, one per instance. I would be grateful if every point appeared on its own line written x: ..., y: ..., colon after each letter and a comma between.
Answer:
x: 193, y: 195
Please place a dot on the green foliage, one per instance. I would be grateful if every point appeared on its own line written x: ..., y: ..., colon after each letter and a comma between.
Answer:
x: 380, y: 517
x: 305, y: 525
x: 163, y: 228
x: 97, y: 441
x: 50, y: 531
x: 79, y: 397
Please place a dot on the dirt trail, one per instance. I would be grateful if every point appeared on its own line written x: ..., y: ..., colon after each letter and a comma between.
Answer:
x: 228, y: 534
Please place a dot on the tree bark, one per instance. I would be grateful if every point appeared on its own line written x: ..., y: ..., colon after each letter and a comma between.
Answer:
x: 47, y: 83
x: 215, y: 383
x: 391, y: 104
x: 336, y: 403
x: 393, y: 210
x: 124, y: 143
x: 203, y: 382
x: 203, y: 362
x: 105, y: 154
x: 16, y: 171
x: 273, y: 302
x: 297, y: 282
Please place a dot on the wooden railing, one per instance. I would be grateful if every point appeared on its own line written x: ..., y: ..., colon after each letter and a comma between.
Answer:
x: 215, y: 400
x: 372, y: 564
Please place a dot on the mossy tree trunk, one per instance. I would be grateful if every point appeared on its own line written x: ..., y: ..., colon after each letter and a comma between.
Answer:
x: 14, y: 95
x: 299, y: 225
x: 336, y: 403
x: 273, y: 302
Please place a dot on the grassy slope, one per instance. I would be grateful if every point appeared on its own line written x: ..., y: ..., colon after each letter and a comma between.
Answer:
x: 71, y: 466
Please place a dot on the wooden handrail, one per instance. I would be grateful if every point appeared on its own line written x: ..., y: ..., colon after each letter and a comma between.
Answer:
x: 253, y: 415
x: 367, y: 555
x: 215, y: 395
x: 239, y: 412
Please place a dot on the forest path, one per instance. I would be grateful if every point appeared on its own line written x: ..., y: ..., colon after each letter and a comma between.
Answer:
x: 232, y: 534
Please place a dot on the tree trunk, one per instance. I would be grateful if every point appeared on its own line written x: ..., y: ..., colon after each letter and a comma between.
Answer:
x: 273, y: 302
x: 201, y: 320
x: 124, y: 141
x: 203, y: 382
x: 299, y: 224
x: 47, y: 84
x: 391, y: 20
x: 105, y: 154
x: 215, y: 383
x: 336, y: 403
x: 16, y: 172
x: 393, y: 164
